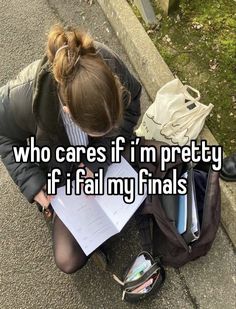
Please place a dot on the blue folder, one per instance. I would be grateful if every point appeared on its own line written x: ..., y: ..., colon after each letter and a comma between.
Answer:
x: 182, y: 215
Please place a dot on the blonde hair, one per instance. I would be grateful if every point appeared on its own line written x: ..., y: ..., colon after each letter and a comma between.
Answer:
x: 86, y: 84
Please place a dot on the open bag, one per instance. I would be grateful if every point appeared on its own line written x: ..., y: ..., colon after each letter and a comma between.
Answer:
x: 168, y: 244
x: 175, y: 117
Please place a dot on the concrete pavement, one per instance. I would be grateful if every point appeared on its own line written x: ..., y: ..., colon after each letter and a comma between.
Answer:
x: 28, y: 276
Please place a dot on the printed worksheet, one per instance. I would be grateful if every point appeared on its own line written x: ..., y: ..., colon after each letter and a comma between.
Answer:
x: 94, y: 219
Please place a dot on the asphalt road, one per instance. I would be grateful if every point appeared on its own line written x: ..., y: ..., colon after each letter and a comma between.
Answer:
x: 28, y: 275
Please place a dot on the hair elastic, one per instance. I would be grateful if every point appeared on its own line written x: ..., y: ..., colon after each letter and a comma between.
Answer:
x: 66, y: 46
x: 59, y: 49
x: 77, y: 60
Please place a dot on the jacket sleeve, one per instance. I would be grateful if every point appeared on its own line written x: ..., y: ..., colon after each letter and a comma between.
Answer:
x: 28, y: 176
x: 131, y: 101
x: 131, y: 98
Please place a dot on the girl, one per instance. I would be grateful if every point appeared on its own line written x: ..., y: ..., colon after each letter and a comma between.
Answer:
x: 79, y: 93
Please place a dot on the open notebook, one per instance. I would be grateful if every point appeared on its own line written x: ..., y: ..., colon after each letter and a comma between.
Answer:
x: 94, y: 219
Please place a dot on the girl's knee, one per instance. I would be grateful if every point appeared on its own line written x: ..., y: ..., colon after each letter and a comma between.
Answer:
x: 69, y: 265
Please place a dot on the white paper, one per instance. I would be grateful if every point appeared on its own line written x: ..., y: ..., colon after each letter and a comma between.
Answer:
x: 114, y: 206
x: 195, y: 222
x: 84, y: 218
x: 94, y: 219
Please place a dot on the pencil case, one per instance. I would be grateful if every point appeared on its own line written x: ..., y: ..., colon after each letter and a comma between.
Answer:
x: 141, y: 279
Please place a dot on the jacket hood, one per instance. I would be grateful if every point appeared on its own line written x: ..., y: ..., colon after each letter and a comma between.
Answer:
x: 45, y: 99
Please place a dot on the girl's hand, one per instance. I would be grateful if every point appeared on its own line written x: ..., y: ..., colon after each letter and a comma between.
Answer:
x: 43, y: 199
x: 89, y: 173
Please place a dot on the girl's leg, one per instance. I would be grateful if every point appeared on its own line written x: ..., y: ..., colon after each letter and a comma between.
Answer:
x: 68, y: 255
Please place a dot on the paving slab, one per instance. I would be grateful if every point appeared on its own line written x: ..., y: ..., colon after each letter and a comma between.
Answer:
x: 212, y: 279
x: 28, y: 275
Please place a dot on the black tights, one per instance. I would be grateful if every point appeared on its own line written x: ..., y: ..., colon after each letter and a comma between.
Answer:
x: 68, y: 255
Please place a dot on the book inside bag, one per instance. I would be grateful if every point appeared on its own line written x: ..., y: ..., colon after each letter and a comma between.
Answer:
x: 185, y: 212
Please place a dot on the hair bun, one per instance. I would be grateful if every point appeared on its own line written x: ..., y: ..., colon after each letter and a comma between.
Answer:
x: 64, y: 48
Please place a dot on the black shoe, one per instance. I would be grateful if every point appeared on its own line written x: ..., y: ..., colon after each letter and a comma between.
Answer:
x: 228, y: 172
x: 100, y: 259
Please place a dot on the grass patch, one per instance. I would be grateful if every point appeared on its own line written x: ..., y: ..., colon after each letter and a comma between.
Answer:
x: 198, y: 42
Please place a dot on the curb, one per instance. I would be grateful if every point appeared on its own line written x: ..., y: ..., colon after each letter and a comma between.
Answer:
x: 154, y: 73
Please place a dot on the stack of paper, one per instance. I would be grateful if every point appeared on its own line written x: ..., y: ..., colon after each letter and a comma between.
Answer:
x: 94, y: 219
